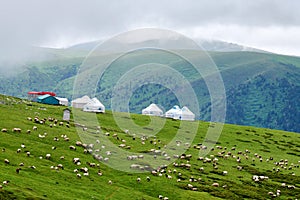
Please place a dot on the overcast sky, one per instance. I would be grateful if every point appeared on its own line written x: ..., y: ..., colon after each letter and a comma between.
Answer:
x: 270, y: 25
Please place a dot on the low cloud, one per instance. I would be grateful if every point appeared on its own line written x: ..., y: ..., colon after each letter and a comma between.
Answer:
x: 268, y: 24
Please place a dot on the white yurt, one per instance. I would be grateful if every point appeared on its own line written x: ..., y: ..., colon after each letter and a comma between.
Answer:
x: 80, y: 102
x: 152, y: 110
x: 185, y: 114
x: 63, y: 101
x: 94, y: 105
x: 172, y: 112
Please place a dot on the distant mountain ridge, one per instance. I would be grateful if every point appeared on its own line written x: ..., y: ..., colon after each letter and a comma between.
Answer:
x: 262, y: 89
x: 206, y: 44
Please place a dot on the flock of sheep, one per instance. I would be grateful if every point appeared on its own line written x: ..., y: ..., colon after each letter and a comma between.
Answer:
x: 176, y: 170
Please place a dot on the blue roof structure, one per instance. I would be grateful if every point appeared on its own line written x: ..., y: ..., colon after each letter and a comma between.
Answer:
x: 48, y: 99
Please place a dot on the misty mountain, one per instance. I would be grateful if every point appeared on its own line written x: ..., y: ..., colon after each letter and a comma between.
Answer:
x: 262, y: 89
x: 206, y: 44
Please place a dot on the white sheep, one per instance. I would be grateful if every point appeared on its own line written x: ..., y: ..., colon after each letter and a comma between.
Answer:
x: 48, y: 156
x: 18, y: 130
x: 4, y: 130
x: 215, y: 185
x: 76, y: 160
x: 72, y: 147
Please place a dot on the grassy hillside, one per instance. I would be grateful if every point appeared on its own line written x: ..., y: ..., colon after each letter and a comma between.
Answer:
x: 262, y: 89
x: 42, y: 182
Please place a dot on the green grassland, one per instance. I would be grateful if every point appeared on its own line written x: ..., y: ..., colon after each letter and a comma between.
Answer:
x: 46, y: 183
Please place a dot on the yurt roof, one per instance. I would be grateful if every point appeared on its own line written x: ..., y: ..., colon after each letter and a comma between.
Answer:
x: 83, y: 99
x: 153, y: 107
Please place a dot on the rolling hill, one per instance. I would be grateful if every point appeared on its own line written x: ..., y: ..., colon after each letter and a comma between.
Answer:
x: 261, y: 88
x: 243, y: 152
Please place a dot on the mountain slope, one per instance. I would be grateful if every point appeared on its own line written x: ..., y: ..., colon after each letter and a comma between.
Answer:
x: 48, y: 181
x: 262, y: 89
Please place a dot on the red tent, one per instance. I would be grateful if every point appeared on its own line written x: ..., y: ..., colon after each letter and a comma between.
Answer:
x: 32, y: 95
x: 41, y: 93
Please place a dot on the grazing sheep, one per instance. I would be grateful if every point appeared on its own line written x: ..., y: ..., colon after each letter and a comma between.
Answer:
x: 4, y: 130
x: 34, y: 128
x: 99, y: 173
x: 200, y: 158
x: 78, y: 175
x: 6, y: 161
x: 225, y: 172
x: 270, y: 193
x: 21, y: 164
x: 84, y: 169
x: 41, y: 136
x: 60, y: 166
x: 153, y: 172
x: 28, y: 131
x: 18, y: 130
x: 148, y: 178
x: 138, y: 180
x: 278, y: 192
x: 168, y: 176
x: 110, y: 182
x: 48, y: 156
x: 291, y: 187
x: 76, y: 160
x: 6, y: 182
x: 215, y: 185
x: 28, y: 153
x: 18, y: 150
x: 72, y: 147
x: 78, y: 143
